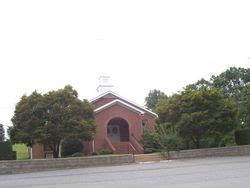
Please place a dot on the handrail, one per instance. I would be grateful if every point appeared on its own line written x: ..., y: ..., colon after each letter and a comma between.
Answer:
x: 136, y: 144
x: 110, y: 144
x: 132, y: 146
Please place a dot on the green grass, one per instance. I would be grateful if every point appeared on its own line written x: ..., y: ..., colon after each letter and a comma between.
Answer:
x: 22, y: 151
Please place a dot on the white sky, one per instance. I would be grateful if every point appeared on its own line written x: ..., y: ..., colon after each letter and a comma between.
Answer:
x: 142, y: 45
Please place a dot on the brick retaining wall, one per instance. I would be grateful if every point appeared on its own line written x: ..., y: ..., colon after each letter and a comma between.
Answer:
x: 210, y: 152
x: 11, y: 167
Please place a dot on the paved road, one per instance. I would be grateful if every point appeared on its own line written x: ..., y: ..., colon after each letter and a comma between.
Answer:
x: 208, y: 172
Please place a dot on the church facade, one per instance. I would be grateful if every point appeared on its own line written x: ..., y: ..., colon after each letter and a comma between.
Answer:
x: 120, y: 125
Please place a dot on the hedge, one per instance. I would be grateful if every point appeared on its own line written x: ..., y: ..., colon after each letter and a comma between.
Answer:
x: 6, y: 152
x: 242, y: 137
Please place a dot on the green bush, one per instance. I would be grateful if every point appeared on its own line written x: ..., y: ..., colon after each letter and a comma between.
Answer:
x: 77, y: 154
x: 242, y: 137
x: 6, y: 152
x: 71, y: 146
x: 170, y: 142
x: 150, y: 142
x: 106, y: 152
x: 162, y: 139
x: 94, y: 153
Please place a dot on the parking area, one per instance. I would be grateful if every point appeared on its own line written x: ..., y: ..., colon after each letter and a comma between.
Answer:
x: 204, y: 172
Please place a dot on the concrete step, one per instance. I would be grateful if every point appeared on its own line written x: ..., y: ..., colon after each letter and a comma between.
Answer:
x: 149, y: 157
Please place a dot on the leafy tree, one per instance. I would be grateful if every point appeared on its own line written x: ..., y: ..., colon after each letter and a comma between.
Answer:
x: 202, y: 83
x: 245, y: 107
x: 153, y: 98
x: 50, y: 118
x: 232, y: 81
x: 195, y: 114
x: 28, y: 116
x: 1, y: 133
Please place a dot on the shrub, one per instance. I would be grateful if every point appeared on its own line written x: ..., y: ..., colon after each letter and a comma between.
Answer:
x: 170, y: 142
x: 94, y: 153
x: 162, y: 139
x: 106, y: 152
x: 71, y: 146
x: 149, y: 142
x: 242, y: 137
x: 6, y: 152
x: 77, y: 154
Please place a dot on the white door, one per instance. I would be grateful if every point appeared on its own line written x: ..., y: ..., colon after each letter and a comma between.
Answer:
x: 114, y: 133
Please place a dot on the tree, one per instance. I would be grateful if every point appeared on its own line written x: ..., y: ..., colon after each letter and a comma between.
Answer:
x: 1, y: 133
x: 245, y: 107
x: 28, y: 117
x: 232, y: 81
x: 153, y: 98
x: 50, y: 118
x: 197, y: 113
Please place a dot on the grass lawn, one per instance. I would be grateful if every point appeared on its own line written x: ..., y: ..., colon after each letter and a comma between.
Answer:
x: 22, y: 151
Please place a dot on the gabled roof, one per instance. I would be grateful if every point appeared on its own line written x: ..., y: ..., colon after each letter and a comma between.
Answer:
x: 119, y: 102
x: 122, y: 100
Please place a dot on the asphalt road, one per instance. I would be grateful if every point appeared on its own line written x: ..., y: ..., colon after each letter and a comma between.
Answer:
x: 207, y: 172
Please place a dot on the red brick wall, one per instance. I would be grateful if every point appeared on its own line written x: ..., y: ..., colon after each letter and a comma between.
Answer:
x: 102, y: 101
x: 134, y: 121
x: 38, y: 151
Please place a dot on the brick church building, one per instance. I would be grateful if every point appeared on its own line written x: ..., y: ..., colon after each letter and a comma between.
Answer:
x: 120, y: 125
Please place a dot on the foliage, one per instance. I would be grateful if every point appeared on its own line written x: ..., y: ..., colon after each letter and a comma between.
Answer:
x: 22, y: 151
x: 160, y: 140
x: 197, y: 113
x: 242, y: 137
x: 167, y: 139
x: 71, y: 146
x: 232, y: 81
x: 50, y: 118
x: 1, y: 133
x: 150, y: 142
x: 245, y: 107
x: 6, y: 152
x: 153, y: 98
x: 228, y: 139
x: 106, y: 152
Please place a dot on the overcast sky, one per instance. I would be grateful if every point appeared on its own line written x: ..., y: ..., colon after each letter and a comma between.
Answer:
x: 142, y: 45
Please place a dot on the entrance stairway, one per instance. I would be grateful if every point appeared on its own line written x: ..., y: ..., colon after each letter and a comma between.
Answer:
x: 121, y: 147
x: 154, y: 157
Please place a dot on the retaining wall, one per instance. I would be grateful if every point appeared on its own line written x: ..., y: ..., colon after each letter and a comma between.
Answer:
x: 210, y: 152
x: 10, y: 167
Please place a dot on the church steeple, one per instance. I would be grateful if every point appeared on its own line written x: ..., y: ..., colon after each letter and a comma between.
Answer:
x: 104, y: 84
